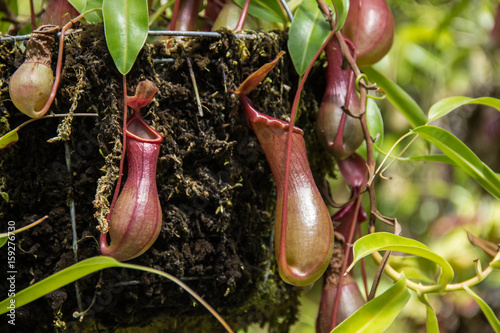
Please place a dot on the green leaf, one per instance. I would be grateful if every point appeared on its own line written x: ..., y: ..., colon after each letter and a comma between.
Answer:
x: 308, y: 32
x: 126, y: 30
x: 9, y: 139
x: 58, y: 280
x: 85, y: 5
x: 383, y: 241
x: 379, y: 313
x: 488, y: 312
x: 462, y: 156
x: 95, y: 16
x: 432, y: 158
x: 414, y: 267
x: 86, y: 267
x: 432, y: 322
x: 397, y: 96
x: 341, y: 10
x: 269, y: 10
x: 375, y: 125
x: 78, y: 4
x: 446, y: 105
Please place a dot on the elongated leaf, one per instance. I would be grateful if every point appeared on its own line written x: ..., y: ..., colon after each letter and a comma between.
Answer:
x: 462, y: 156
x: 488, y: 312
x: 58, y: 280
x: 378, y: 314
x: 308, y: 32
x: 433, y: 158
x: 86, y: 267
x: 9, y: 139
x: 269, y: 10
x: 397, y: 96
x: 341, y: 10
x: 446, y: 105
x: 432, y: 322
x: 383, y: 241
x: 126, y: 30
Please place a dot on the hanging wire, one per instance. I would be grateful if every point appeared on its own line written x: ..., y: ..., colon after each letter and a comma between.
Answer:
x: 284, y: 4
x: 152, y: 33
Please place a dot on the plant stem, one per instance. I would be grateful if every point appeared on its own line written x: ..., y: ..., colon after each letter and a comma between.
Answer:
x: 33, y: 16
x: 59, y: 65
x: 243, y: 16
x: 122, y: 158
x: 175, y: 13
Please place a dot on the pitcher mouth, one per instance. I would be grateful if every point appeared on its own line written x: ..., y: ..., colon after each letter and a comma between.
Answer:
x: 138, y: 129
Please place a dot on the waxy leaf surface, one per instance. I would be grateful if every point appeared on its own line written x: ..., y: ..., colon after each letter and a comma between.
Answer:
x: 9, y: 139
x: 83, y: 6
x: 269, y: 10
x: 126, y: 30
x: 383, y: 241
x: 341, y: 8
x: 308, y: 32
x: 378, y: 314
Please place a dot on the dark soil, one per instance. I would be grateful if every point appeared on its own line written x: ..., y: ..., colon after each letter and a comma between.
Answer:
x: 215, y: 187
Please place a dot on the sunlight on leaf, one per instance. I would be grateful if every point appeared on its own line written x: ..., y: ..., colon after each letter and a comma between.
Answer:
x: 414, y: 267
x: 9, y: 139
x: 126, y: 30
x: 487, y: 311
x: 397, y: 96
x: 269, y: 10
x: 462, y: 156
x: 383, y: 241
x: 445, y: 106
x: 308, y: 32
x: 378, y: 314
